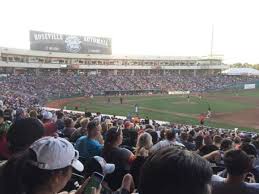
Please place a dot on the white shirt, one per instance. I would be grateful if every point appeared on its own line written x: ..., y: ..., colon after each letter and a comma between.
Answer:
x: 220, y: 187
x: 99, y: 118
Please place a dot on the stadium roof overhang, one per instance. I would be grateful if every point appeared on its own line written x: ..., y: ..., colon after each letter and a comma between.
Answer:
x: 241, y: 71
x: 23, y: 52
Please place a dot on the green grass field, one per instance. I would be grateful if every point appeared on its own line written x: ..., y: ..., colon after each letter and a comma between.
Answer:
x: 174, y: 108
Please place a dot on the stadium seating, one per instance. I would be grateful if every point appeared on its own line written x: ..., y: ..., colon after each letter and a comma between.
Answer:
x: 32, y: 89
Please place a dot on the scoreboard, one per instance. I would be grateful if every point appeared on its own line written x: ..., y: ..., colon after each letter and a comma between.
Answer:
x: 53, y: 42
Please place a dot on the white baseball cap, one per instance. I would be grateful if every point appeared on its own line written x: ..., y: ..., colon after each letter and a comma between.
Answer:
x: 106, y: 167
x: 47, y: 115
x: 55, y: 153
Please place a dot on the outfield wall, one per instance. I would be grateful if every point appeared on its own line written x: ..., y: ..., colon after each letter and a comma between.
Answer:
x: 237, y: 87
x: 246, y: 85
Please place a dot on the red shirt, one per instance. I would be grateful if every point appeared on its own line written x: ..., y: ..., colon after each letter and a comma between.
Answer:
x: 202, y: 118
x: 50, y: 129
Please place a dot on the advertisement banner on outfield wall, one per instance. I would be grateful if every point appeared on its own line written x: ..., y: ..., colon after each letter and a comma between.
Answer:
x: 178, y: 92
x: 53, y: 42
x: 249, y: 86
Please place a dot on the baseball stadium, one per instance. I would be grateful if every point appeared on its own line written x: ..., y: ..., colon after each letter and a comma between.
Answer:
x: 81, y: 74
x: 129, y: 97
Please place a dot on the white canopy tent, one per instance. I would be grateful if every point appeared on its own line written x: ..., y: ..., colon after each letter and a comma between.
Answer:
x: 241, y: 71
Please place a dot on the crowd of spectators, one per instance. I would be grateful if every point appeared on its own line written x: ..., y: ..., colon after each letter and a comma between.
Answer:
x: 56, y: 151
x: 30, y: 89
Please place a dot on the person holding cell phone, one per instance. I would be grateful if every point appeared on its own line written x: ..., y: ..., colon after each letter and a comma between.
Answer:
x: 239, y: 180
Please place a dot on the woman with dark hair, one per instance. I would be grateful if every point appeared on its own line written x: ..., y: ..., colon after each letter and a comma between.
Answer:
x: 121, y: 157
x: 22, y: 134
x: 44, y: 168
x: 208, y: 146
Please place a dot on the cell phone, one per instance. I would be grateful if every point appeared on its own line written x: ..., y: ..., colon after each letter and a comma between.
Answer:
x: 95, y: 181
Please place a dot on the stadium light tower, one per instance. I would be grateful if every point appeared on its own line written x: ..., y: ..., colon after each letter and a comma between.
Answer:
x: 212, y: 41
x: 211, y: 44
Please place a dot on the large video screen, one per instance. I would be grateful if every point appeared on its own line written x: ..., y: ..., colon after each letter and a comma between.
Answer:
x: 45, y: 41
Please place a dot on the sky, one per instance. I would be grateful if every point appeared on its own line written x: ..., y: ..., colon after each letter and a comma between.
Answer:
x: 142, y: 27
